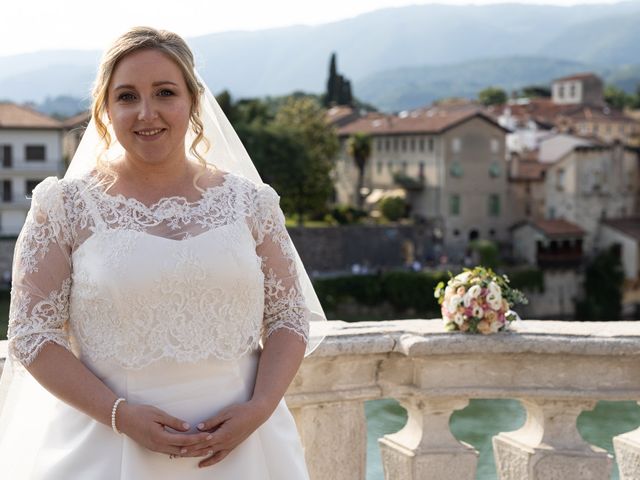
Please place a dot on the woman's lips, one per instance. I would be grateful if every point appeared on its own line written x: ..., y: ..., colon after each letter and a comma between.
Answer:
x: 150, y: 133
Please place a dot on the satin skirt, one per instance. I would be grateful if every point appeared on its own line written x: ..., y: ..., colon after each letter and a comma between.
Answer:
x: 43, y: 438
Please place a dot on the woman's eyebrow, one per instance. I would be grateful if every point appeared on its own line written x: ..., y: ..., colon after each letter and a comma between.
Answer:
x: 154, y: 84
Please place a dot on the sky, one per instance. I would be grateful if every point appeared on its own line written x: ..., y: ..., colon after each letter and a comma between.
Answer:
x: 33, y: 25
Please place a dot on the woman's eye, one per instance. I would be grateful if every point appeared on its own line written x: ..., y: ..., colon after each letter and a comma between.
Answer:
x: 166, y: 93
x: 125, y: 97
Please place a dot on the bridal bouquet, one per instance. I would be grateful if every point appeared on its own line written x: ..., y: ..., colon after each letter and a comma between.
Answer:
x: 478, y: 301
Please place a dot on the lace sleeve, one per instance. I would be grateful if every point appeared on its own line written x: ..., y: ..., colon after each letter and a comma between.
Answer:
x: 41, y: 276
x: 284, y: 304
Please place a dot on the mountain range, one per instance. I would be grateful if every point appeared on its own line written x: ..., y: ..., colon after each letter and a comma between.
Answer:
x: 396, y: 58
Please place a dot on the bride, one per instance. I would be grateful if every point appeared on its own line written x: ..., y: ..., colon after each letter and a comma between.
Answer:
x: 159, y: 310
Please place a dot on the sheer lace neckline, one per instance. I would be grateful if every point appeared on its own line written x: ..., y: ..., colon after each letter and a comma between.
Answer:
x: 119, y: 198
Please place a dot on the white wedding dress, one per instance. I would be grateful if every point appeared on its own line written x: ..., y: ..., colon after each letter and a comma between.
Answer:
x: 167, y: 305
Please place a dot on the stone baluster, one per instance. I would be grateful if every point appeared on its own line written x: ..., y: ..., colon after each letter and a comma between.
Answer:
x: 627, y: 448
x: 334, y: 435
x: 549, y: 446
x: 425, y: 449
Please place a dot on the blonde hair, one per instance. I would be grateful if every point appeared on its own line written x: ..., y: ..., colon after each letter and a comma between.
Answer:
x: 176, y: 49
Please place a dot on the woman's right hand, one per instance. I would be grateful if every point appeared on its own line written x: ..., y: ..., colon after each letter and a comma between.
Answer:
x: 145, y: 424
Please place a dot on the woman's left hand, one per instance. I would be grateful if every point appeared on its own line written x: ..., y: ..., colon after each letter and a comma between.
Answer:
x: 229, y: 428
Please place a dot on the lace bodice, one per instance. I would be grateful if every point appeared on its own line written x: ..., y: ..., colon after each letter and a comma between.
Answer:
x: 111, y: 278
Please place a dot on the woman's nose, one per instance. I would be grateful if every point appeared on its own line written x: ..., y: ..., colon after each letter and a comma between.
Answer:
x: 147, y: 111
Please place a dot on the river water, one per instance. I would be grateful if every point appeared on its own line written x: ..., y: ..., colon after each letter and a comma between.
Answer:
x: 483, y: 419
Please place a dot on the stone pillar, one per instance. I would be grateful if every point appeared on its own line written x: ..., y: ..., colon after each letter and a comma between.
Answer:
x: 334, y: 437
x: 425, y: 449
x: 549, y: 445
x: 627, y: 448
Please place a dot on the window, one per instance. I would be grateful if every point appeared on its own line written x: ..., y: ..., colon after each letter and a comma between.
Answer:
x: 431, y: 144
x: 7, y: 155
x: 387, y: 144
x: 494, y: 205
x: 404, y: 167
x: 30, y: 185
x: 572, y: 90
x: 421, y: 144
x: 454, y: 204
x: 456, y: 144
x: 494, y: 169
x: 456, y: 169
x: 34, y: 153
x: 395, y: 144
x: 404, y: 144
x: 379, y: 168
x: 379, y: 144
x: 561, y: 91
x: 421, y: 170
x: 7, y: 191
x: 495, y: 145
x: 560, y: 180
x: 389, y: 166
x: 412, y: 145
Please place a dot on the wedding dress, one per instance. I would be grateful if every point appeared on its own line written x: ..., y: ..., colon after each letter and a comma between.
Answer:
x: 167, y: 305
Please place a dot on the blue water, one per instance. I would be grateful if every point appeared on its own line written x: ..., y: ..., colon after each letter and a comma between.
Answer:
x: 483, y: 419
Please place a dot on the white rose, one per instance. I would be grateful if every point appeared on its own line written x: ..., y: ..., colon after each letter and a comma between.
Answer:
x: 467, y: 299
x: 494, y: 302
x: 495, y: 290
x: 478, y: 311
x: 474, y: 291
x: 453, y: 304
x: 449, y: 290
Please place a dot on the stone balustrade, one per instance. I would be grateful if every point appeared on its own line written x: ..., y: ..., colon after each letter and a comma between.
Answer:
x: 556, y: 369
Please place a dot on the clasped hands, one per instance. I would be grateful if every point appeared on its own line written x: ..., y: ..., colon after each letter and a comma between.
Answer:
x: 218, y: 435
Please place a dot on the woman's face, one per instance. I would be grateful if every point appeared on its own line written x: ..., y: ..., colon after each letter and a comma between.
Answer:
x: 149, y: 106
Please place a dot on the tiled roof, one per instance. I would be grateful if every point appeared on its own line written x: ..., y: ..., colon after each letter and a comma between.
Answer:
x: 429, y: 120
x: 17, y: 116
x: 593, y: 113
x: 530, y: 170
x: 79, y: 120
x: 577, y: 76
x: 629, y: 226
x: 558, y: 228
x: 544, y: 112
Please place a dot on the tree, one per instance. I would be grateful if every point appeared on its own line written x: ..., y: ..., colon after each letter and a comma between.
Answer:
x: 616, y: 97
x: 359, y: 148
x: 602, y: 288
x: 393, y: 208
x: 338, y: 87
x: 492, y: 96
x: 536, y: 91
x: 304, y: 118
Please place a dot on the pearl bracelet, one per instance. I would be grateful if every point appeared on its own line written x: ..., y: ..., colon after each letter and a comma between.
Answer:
x: 113, y: 414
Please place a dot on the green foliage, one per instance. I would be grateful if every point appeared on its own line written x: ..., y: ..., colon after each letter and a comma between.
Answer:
x: 407, y: 182
x: 488, y: 253
x: 527, y: 278
x: 346, y: 214
x: 393, y: 208
x: 617, y: 97
x: 338, y: 87
x: 403, y: 290
x: 492, y: 96
x: 604, y: 277
x: 359, y: 148
x: 535, y: 91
